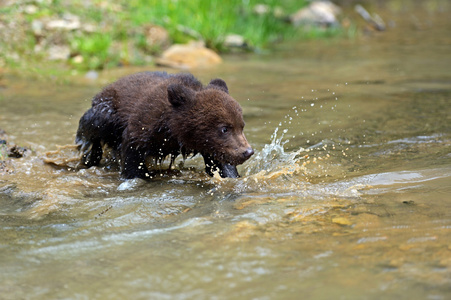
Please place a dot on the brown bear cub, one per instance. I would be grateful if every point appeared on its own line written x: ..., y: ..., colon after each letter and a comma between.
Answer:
x: 155, y: 114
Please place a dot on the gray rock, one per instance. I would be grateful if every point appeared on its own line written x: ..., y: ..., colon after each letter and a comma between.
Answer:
x: 317, y: 13
x: 234, y: 40
x: 58, y: 52
x: 37, y: 27
x: 68, y: 22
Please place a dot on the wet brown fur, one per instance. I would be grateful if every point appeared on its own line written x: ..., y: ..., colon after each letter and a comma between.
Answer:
x: 156, y: 114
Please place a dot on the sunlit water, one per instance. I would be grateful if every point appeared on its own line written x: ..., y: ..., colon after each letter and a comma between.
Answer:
x: 348, y: 195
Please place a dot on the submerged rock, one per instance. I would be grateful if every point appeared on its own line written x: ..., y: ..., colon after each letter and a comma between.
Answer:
x: 16, y: 151
x: 342, y: 221
x: 188, y: 56
x: 8, y: 151
x: 317, y: 13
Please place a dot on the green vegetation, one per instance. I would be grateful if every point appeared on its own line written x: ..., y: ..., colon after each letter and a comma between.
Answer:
x: 99, y: 34
x: 212, y: 20
x: 94, y: 49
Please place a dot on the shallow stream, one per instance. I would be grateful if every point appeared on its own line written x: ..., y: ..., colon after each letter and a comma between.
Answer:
x: 348, y: 195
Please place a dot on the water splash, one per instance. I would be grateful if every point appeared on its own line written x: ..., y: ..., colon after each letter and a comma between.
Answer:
x: 271, y: 169
x: 273, y: 159
x: 277, y: 171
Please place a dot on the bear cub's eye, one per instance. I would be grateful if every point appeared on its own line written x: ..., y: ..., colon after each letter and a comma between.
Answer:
x: 224, y: 129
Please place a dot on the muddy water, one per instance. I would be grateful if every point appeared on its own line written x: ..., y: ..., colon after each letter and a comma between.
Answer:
x: 348, y: 195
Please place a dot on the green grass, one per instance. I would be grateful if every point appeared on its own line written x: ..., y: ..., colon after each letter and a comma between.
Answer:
x: 119, y: 39
x: 213, y: 20
x: 95, y: 50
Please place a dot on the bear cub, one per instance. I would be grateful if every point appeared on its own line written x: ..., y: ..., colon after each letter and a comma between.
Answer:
x: 155, y: 114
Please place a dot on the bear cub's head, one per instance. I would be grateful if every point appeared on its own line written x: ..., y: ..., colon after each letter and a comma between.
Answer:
x: 210, y: 122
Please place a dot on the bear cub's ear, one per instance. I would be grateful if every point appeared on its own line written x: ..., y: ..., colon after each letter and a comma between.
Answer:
x: 218, y: 84
x: 179, y: 95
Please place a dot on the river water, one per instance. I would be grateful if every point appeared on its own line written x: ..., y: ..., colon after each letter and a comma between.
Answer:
x: 348, y: 195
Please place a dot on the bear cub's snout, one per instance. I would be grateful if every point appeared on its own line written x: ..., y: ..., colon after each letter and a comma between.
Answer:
x: 248, y: 153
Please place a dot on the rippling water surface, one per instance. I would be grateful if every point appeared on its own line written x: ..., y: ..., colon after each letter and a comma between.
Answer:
x: 348, y: 195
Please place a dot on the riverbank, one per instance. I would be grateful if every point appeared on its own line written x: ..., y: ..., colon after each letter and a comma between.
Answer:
x: 58, y: 38
x: 93, y: 35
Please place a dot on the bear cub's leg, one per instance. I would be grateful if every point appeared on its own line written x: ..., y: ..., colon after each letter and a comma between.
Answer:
x: 87, y: 140
x: 133, y: 159
x: 134, y: 165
